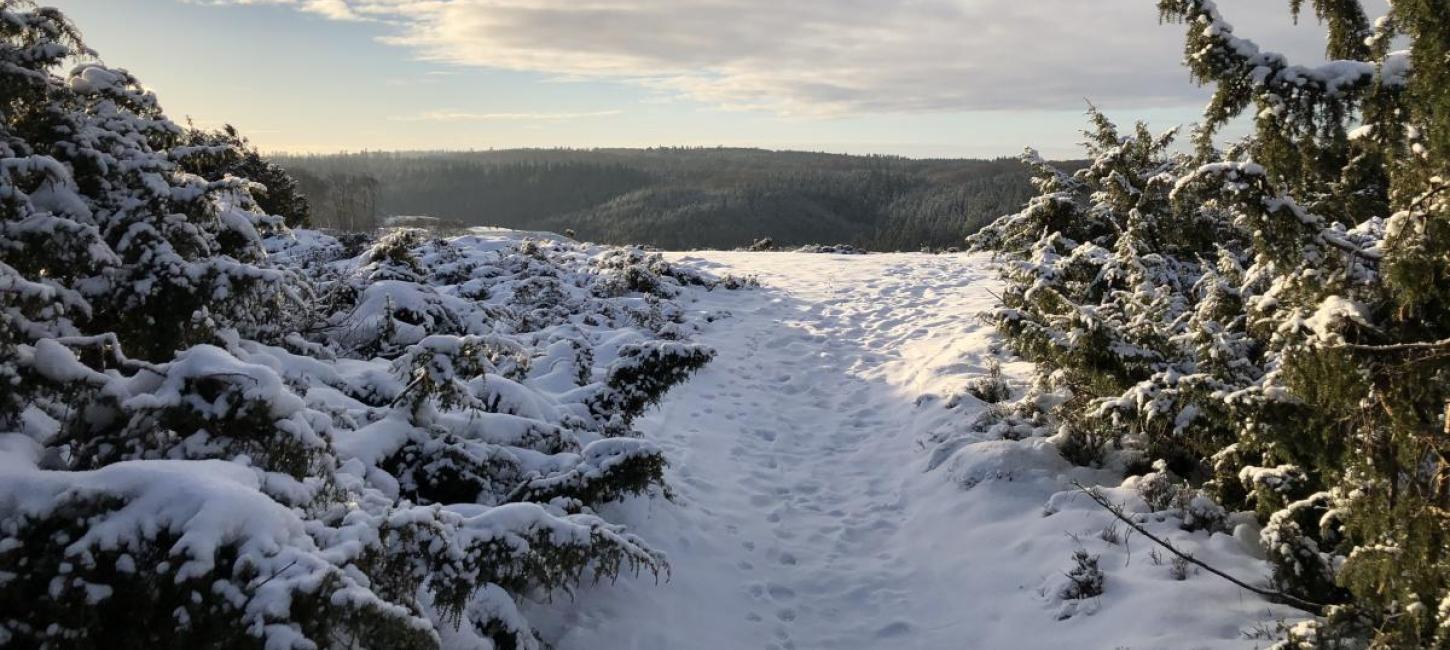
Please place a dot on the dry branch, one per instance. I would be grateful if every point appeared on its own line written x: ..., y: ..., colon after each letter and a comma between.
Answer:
x: 1272, y: 594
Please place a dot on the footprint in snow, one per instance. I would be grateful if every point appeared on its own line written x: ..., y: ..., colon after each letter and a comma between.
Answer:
x: 895, y: 629
x: 780, y: 592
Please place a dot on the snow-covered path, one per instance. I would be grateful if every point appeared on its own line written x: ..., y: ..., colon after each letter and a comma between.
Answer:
x: 804, y: 517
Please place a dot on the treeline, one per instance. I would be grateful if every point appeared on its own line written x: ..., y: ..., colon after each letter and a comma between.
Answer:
x: 673, y: 197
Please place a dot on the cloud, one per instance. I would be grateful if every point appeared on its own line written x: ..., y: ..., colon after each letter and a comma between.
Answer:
x: 331, y: 9
x: 830, y: 57
x: 466, y: 116
x: 334, y: 9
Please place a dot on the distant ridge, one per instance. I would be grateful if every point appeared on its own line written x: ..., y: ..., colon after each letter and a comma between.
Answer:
x: 678, y: 197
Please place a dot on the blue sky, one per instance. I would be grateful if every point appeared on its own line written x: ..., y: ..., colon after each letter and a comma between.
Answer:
x: 911, y: 77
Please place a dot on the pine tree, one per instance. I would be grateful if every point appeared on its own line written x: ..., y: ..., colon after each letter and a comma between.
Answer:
x: 1284, y: 302
x: 1350, y: 162
x: 225, y: 152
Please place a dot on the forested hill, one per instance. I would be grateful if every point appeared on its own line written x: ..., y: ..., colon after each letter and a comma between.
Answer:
x: 676, y: 198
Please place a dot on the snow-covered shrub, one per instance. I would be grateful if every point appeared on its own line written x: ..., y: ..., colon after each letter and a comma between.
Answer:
x: 1158, y: 488
x: 642, y: 374
x: 990, y: 387
x: 177, y: 554
x: 1085, y: 445
x: 437, y: 371
x: 391, y: 256
x: 732, y: 282
x: 1294, y: 537
x: 1026, y: 416
x: 762, y: 244
x: 1084, y: 579
x: 631, y: 270
x: 606, y: 470
x: 220, y: 432
x: 1198, y: 511
x: 203, y: 404
x: 833, y: 249
x: 97, y: 200
x: 1178, y: 568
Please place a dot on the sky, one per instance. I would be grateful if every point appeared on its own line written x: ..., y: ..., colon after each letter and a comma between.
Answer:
x: 920, y: 78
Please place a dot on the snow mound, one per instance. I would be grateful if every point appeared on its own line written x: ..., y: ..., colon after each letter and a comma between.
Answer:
x: 1033, y: 459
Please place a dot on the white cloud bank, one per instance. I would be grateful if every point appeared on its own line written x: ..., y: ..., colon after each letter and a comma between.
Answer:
x: 828, y: 56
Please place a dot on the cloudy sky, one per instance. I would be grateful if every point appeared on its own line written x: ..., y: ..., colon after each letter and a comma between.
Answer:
x: 910, y: 77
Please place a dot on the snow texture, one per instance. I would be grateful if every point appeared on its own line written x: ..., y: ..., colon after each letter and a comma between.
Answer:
x: 831, y: 492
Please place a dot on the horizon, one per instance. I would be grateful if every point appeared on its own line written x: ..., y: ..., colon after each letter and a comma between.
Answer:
x: 565, y: 148
x: 918, y: 80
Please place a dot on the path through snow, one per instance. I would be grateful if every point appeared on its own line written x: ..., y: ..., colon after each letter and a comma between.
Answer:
x: 805, y: 518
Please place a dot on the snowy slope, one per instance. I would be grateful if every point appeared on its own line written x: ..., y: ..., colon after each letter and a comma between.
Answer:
x: 806, y: 515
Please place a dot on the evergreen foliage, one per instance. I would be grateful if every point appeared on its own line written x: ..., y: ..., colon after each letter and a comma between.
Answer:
x: 1268, y: 322
x: 220, y: 431
x: 275, y: 191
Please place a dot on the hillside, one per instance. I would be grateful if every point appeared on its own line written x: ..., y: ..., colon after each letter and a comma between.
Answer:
x: 676, y: 198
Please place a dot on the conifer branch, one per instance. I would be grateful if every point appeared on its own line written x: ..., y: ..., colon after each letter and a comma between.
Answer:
x: 1350, y: 248
x: 1421, y: 200
x: 108, y: 344
x: 1271, y: 594
x: 1390, y: 348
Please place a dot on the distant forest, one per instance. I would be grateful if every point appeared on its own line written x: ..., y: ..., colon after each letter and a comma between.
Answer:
x: 678, y: 198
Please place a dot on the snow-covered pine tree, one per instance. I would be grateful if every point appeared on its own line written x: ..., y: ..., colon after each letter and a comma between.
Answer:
x: 1103, y: 269
x: 158, y: 254
x: 225, y: 152
x: 1292, y: 346
x: 1345, y: 183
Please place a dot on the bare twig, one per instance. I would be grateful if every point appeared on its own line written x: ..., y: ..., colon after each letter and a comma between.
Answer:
x: 1273, y: 595
x: 258, y: 586
x: 406, y: 389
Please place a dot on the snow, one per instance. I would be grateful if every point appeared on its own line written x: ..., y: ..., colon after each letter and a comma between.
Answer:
x: 1333, y: 313
x: 829, y: 492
